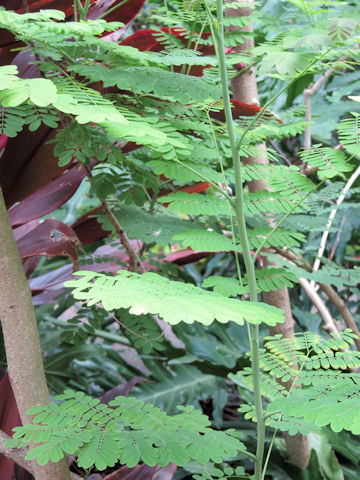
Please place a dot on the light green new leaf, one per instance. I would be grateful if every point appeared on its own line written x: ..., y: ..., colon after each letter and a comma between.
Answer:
x: 12, y: 97
x: 286, y: 63
x: 227, y: 286
x: 140, y: 133
x: 173, y: 301
x: 196, y: 204
x: 206, y: 241
x: 42, y: 92
x: 8, y: 77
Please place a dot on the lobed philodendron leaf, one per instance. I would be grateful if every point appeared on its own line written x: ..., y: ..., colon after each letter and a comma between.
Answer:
x: 173, y: 301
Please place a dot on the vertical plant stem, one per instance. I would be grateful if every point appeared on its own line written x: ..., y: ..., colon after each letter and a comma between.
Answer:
x: 21, y: 338
x: 240, y: 216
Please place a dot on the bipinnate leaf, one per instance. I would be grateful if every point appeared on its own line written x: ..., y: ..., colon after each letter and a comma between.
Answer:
x: 206, y: 241
x: 129, y: 432
x: 40, y: 91
x: 185, y: 89
x: 8, y: 77
x: 173, y: 301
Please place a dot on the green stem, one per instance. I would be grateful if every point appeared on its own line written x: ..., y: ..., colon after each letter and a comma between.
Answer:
x: 85, y: 9
x: 113, y: 9
x: 240, y: 216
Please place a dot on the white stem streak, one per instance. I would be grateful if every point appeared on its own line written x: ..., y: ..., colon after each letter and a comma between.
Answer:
x: 317, y: 301
x: 325, y: 235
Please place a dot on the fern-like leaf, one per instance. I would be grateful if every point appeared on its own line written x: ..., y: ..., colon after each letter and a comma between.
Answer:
x: 173, y: 301
x: 129, y: 432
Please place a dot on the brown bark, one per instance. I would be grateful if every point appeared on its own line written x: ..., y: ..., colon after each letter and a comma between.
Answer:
x: 21, y: 338
x: 244, y: 88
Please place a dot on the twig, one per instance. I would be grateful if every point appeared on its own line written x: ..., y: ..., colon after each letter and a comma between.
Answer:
x: 339, y: 303
x: 16, y: 454
x: 134, y: 259
x: 25, y: 6
x: 329, y: 324
x: 337, y: 239
x: 325, y: 235
x: 309, y: 92
x: 277, y: 150
x: 331, y: 293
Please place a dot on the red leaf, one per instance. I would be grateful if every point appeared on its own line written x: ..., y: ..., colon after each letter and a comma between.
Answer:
x: 241, y: 109
x: 125, y: 14
x: 28, y: 164
x: 196, y: 188
x: 143, y: 472
x: 121, y: 390
x: 9, y: 418
x: 49, y: 198
x: 3, y: 141
x: 88, y: 229
x: 184, y: 257
x: 145, y: 40
x: 51, y: 238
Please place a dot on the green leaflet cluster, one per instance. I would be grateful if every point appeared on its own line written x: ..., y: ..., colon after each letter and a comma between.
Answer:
x: 172, y: 301
x: 323, y: 392
x: 128, y: 431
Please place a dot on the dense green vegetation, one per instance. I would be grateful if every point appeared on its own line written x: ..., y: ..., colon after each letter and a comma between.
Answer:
x: 166, y: 221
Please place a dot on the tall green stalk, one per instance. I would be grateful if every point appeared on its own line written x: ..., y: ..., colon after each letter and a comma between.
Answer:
x: 240, y: 217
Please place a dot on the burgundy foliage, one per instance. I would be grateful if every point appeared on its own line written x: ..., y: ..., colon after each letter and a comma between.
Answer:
x: 9, y: 418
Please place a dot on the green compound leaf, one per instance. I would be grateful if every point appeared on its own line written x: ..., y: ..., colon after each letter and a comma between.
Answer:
x: 181, y: 88
x: 174, y: 301
x: 8, y: 77
x: 196, y: 204
x: 206, y: 241
x: 330, y: 162
x: 139, y: 224
x: 40, y: 91
x: 129, y: 432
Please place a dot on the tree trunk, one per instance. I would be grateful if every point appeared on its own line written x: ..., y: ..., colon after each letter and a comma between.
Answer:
x: 22, y: 344
x: 245, y: 89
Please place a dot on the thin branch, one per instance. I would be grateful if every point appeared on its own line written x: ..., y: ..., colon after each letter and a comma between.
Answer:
x: 329, y: 324
x: 339, y: 201
x: 309, y: 92
x: 18, y: 456
x: 339, y: 303
x: 331, y: 293
x: 337, y: 239
x: 134, y: 259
